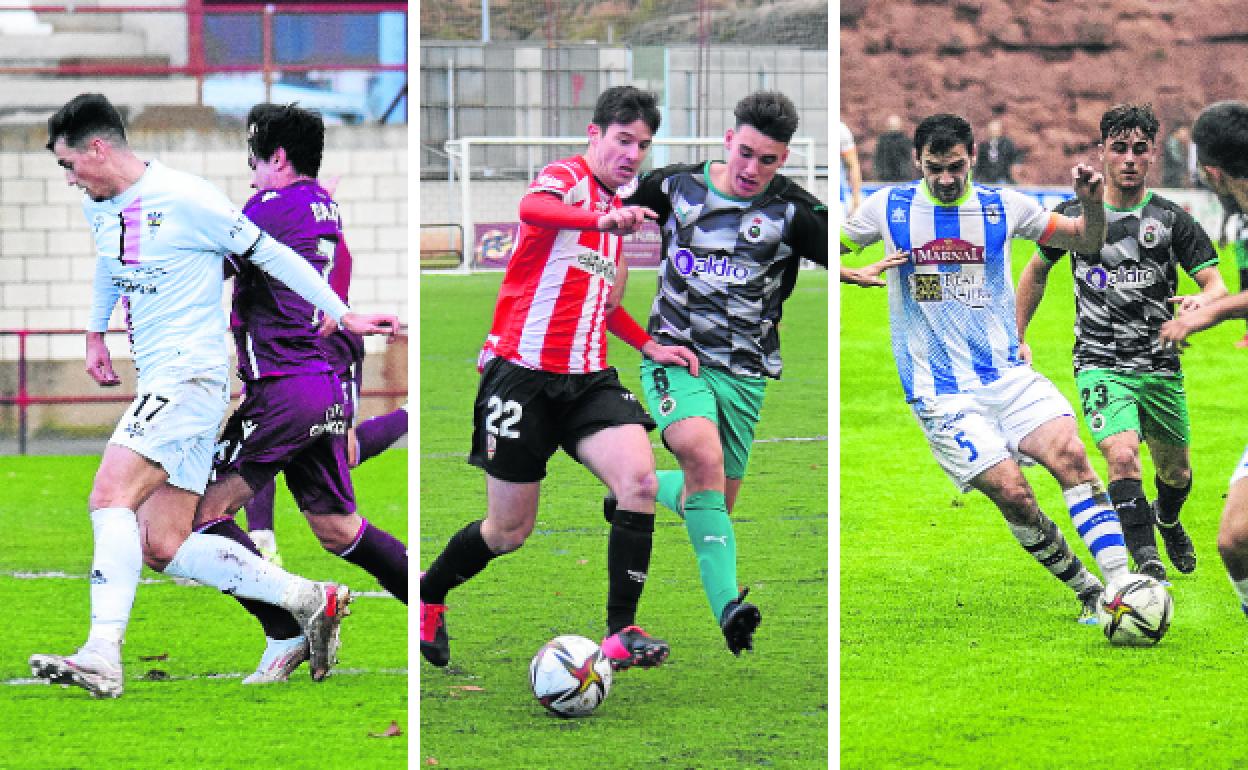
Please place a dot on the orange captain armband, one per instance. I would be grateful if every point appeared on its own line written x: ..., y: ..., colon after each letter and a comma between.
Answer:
x: 1048, y: 230
x: 622, y: 325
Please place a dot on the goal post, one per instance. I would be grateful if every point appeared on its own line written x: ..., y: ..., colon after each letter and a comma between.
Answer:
x: 488, y: 175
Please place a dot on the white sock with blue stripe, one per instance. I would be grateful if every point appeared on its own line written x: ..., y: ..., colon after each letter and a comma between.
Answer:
x: 1094, y: 517
x: 1241, y: 590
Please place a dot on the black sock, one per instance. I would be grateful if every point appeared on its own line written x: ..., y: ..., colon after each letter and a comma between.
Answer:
x: 1170, y: 501
x: 465, y: 555
x: 628, y: 560
x: 277, y: 622
x: 1134, y: 513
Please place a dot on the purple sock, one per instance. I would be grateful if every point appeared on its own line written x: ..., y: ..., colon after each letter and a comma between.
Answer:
x: 381, y: 555
x: 277, y: 622
x: 378, y: 434
x: 260, y: 508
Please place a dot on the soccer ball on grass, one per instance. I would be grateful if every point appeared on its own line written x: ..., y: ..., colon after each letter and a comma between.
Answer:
x: 570, y: 676
x: 1135, y: 611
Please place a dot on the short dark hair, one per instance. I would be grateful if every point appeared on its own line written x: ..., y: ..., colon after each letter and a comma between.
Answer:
x: 300, y: 132
x: 83, y: 117
x: 1221, y: 137
x: 771, y: 113
x: 942, y: 132
x: 624, y: 104
x: 1122, y: 119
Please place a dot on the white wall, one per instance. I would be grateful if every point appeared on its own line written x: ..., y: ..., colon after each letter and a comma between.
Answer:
x: 47, y: 257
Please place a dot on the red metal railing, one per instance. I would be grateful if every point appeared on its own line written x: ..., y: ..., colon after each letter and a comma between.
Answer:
x: 23, y: 400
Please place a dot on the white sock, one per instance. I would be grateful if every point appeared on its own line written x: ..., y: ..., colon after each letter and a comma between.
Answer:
x: 1098, y: 525
x: 115, y: 565
x: 1241, y: 590
x: 229, y: 567
x: 264, y: 539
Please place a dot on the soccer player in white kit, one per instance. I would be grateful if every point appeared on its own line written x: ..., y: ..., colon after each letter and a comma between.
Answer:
x: 954, y: 337
x: 161, y: 237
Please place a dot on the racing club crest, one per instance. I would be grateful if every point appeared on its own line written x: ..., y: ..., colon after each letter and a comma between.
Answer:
x: 992, y: 212
x: 754, y: 233
x: 1150, y: 233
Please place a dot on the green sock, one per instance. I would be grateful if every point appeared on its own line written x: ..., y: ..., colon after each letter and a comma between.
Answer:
x: 710, y: 533
x: 671, y: 487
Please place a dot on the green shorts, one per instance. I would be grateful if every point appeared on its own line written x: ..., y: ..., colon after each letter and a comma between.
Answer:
x: 1152, y: 405
x: 1240, y: 248
x: 732, y: 402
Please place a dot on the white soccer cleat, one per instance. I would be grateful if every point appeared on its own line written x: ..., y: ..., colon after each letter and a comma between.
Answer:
x: 320, y: 608
x: 86, y: 668
x: 281, y: 658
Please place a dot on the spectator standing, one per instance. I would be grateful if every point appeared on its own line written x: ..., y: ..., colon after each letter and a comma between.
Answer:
x: 893, y: 161
x: 996, y: 157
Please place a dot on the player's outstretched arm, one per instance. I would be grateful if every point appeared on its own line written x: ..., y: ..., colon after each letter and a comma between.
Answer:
x: 671, y: 355
x: 1212, y: 288
x: 869, y: 275
x: 625, y: 221
x: 1086, y: 232
x: 99, y: 362
x: 622, y: 325
x: 370, y: 323
x: 1174, y: 333
x: 542, y: 209
x: 1030, y: 291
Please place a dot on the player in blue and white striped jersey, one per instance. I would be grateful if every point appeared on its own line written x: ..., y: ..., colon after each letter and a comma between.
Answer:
x: 983, y: 409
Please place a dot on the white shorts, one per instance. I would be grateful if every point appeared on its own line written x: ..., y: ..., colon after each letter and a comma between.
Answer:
x: 971, y: 432
x: 1241, y: 470
x: 174, y: 422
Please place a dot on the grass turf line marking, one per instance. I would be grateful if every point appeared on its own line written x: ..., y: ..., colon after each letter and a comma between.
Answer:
x: 31, y: 681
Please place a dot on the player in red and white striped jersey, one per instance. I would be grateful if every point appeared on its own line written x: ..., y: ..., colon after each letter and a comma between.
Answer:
x: 545, y: 382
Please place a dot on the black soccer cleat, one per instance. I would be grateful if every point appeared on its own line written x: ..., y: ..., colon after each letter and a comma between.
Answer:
x: 1148, y: 562
x: 1178, y: 546
x: 738, y: 621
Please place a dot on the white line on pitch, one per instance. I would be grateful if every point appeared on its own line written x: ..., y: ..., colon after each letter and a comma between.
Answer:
x: 23, y: 681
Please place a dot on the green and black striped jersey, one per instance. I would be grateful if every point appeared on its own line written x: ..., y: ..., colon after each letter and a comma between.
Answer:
x: 1121, y: 293
x: 728, y: 264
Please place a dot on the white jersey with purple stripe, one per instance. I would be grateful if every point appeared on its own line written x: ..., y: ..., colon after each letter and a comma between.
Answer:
x: 951, y: 307
x: 160, y: 247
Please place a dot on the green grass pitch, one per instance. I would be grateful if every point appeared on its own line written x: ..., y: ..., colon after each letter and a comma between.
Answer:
x: 187, y: 648
x: 704, y: 708
x: 958, y: 651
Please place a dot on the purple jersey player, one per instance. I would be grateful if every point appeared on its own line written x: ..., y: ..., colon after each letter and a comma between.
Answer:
x: 293, y: 417
x: 344, y: 351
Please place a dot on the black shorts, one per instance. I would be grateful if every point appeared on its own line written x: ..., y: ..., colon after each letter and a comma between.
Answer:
x: 522, y: 416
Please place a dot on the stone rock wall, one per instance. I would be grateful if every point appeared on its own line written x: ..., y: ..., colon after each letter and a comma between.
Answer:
x: 1047, y: 69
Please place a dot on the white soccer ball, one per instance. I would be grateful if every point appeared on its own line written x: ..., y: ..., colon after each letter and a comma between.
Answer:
x: 570, y: 676
x: 1135, y: 611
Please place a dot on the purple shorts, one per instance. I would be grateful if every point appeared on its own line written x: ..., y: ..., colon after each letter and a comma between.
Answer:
x: 345, y: 352
x: 295, y: 424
